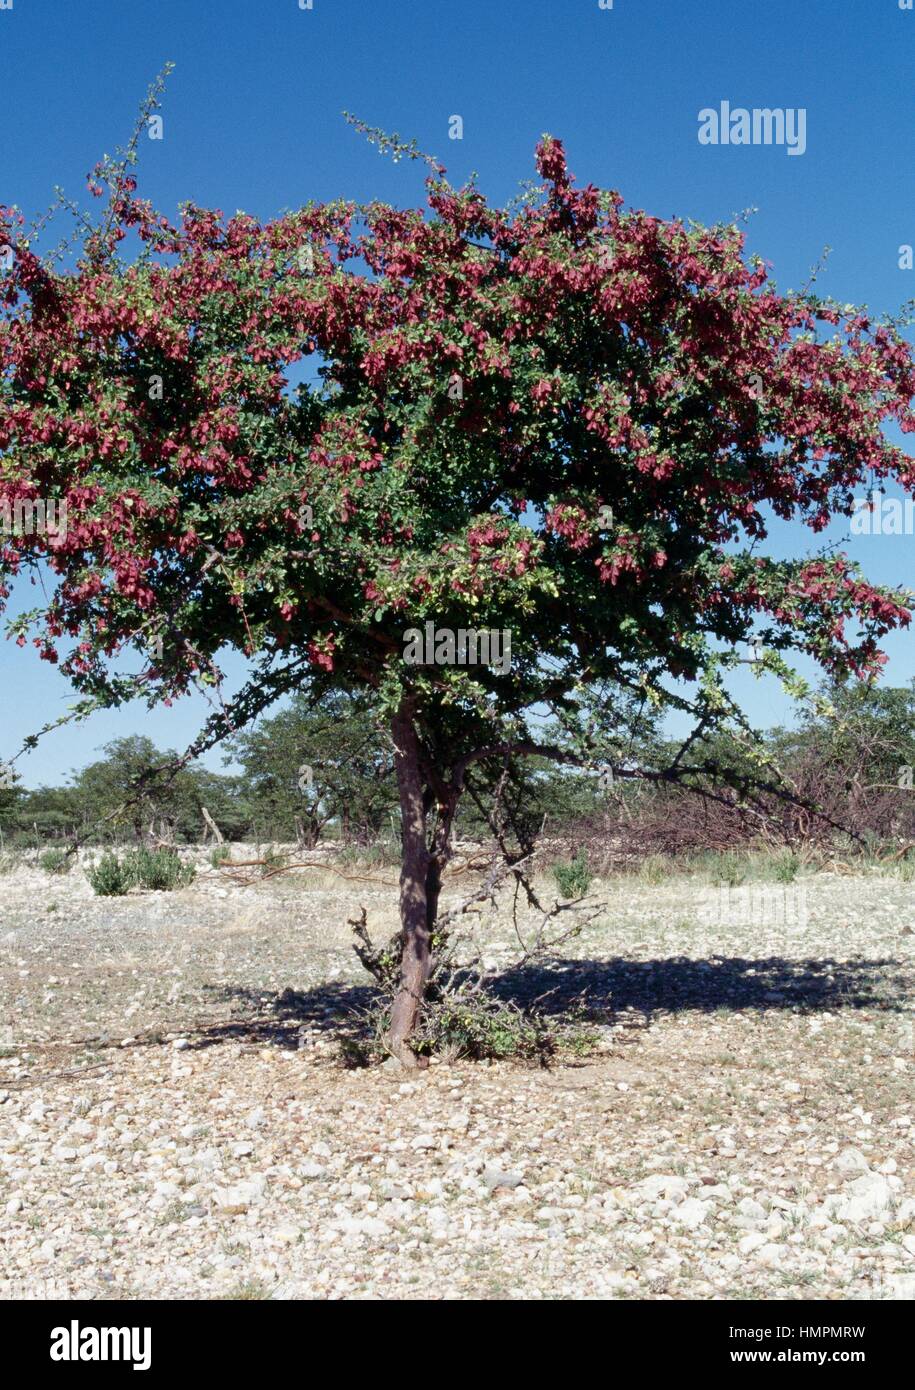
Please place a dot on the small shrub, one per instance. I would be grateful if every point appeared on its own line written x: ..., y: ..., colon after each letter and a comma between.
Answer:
x: 470, y: 1024
x: 460, y: 1029
x: 110, y: 878
x: 253, y: 1289
x: 729, y: 868
x: 377, y: 856
x: 218, y: 855
x: 55, y: 861
x: 654, y: 869
x: 272, y: 859
x: 156, y: 869
x: 574, y: 877
x: 786, y: 866
x: 159, y: 869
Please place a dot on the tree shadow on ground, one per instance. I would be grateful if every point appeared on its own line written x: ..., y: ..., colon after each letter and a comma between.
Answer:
x: 263, y: 1016
x: 675, y: 984
x: 604, y: 990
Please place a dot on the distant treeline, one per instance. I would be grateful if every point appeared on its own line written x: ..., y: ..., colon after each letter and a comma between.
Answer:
x: 325, y: 771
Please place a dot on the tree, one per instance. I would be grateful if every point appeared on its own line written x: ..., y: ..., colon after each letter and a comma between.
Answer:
x: 49, y: 811
x: 319, y: 763
x: 563, y: 420
x: 121, y: 789
x: 853, y: 752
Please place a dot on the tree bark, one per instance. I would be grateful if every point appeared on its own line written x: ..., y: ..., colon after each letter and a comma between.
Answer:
x: 416, y: 934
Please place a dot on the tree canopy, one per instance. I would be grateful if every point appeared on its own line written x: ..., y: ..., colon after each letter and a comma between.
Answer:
x: 564, y: 419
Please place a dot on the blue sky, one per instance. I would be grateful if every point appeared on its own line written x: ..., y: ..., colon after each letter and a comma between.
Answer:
x: 252, y: 121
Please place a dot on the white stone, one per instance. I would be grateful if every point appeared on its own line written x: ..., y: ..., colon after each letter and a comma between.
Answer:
x: 867, y: 1197
x: 771, y: 1255
x: 691, y: 1213
x: 852, y: 1162
x: 658, y: 1185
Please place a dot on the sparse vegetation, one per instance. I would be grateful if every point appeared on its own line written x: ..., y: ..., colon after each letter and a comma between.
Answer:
x: 573, y: 879
x: 109, y: 877
x: 159, y: 870
x: 55, y: 861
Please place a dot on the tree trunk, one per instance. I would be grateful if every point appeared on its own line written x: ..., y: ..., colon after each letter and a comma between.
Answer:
x: 416, y: 934
x: 210, y: 827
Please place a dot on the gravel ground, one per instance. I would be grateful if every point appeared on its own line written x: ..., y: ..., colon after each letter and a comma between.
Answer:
x: 175, y: 1121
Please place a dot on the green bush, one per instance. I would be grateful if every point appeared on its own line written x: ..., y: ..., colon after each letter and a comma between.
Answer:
x: 785, y: 866
x: 159, y: 869
x: 729, y: 868
x: 155, y: 869
x: 573, y: 878
x: 465, y: 1023
x: 380, y: 855
x: 55, y: 861
x: 109, y: 878
x: 218, y: 855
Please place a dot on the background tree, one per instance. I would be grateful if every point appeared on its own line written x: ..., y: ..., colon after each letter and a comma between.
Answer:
x: 564, y: 419
x: 853, y: 753
x: 319, y: 763
x: 121, y: 790
x: 49, y: 811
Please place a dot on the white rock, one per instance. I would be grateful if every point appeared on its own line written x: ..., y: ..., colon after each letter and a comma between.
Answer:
x: 240, y: 1195
x: 867, y: 1197
x: 691, y: 1213
x: 497, y: 1177
x: 393, y: 1191
x: 852, y: 1162
x: 658, y: 1185
x: 362, y: 1226
x: 771, y: 1255
x: 900, y: 1286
